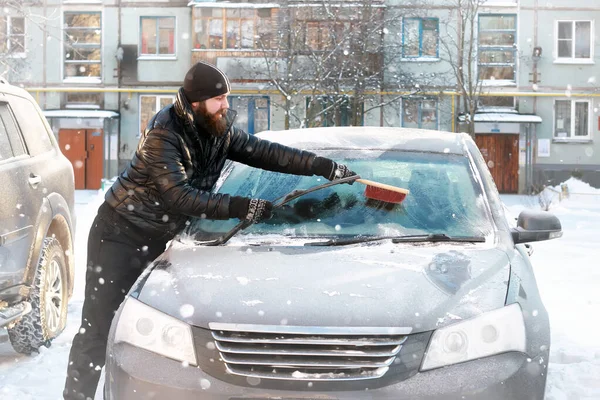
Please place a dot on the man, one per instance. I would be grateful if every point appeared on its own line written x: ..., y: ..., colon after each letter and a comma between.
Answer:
x: 169, y: 180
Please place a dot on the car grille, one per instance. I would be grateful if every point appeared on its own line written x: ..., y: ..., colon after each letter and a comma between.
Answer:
x: 307, y: 353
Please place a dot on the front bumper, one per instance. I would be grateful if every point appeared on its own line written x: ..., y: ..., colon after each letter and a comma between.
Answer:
x: 133, y: 373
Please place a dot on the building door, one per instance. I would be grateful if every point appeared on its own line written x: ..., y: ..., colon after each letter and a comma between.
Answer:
x: 84, y: 148
x: 501, y: 153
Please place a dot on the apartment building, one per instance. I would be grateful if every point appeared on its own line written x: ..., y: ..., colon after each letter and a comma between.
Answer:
x: 102, y: 68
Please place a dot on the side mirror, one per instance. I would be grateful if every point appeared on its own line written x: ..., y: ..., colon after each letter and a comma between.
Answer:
x: 535, y: 226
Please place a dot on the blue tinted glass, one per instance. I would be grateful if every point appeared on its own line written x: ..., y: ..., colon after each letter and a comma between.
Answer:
x: 444, y: 198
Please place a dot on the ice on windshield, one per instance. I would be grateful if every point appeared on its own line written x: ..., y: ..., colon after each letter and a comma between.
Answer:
x: 444, y: 198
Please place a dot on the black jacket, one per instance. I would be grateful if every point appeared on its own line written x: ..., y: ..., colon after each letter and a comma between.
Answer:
x: 175, y: 167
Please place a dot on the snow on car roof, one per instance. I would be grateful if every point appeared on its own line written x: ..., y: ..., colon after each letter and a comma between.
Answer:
x: 370, y: 137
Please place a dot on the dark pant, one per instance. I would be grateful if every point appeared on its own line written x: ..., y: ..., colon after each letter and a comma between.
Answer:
x: 117, y: 254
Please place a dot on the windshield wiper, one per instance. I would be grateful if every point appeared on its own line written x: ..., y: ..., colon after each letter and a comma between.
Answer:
x: 278, y: 203
x: 345, y: 242
x: 438, y: 237
x: 434, y: 237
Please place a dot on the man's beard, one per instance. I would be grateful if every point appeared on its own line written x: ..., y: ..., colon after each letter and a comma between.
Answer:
x: 214, y: 124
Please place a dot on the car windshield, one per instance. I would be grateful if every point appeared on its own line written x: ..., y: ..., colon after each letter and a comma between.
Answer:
x: 444, y: 198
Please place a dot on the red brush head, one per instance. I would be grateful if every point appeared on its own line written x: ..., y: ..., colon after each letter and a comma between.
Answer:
x: 388, y: 196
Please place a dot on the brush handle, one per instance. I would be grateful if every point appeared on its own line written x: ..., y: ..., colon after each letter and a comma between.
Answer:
x: 383, y: 186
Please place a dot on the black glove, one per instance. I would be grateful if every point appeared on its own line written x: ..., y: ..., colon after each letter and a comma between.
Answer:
x: 330, y: 170
x: 251, y: 210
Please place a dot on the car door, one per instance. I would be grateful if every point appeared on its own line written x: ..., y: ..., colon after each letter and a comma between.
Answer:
x: 17, y: 207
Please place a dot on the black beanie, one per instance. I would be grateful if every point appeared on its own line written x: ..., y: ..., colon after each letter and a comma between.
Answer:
x: 204, y: 81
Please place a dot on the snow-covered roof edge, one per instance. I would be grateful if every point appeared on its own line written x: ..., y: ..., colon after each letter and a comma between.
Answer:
x: 80, y: 114
x: 299, y: 5
x: 508, y: 117
x: 214, y: 4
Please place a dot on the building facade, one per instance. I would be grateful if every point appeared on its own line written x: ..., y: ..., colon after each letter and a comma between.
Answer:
x: 524, y: 81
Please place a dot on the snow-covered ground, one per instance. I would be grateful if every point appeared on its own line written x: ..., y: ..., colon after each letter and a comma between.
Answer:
x: 567, y: 270
x: 43, y: 376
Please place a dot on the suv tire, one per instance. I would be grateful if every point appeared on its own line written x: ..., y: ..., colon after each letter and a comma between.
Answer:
x: 48, y: 298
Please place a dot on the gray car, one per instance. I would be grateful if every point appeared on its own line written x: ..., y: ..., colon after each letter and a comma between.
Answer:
x: 37, y: 222
x: 342, y: 297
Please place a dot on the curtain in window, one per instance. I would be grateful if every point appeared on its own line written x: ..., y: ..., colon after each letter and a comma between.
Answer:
x: 581, y: 119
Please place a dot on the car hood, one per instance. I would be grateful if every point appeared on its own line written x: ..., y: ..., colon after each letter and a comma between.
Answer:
x: 421, y: 286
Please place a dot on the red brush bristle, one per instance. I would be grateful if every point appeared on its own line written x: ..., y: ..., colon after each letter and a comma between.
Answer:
x: 388, y: 196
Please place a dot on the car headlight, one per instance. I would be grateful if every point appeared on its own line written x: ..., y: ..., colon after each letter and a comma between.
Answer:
x: 145, y: 327
x: 495, y: 332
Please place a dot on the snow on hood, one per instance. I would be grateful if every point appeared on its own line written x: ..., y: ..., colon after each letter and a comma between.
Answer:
x: 420, y: 286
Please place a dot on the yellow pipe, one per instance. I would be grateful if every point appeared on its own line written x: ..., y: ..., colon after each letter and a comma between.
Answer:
x: 273, y: 91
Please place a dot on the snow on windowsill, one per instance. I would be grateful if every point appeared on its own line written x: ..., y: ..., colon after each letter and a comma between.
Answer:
x: 15, y: 55
x: 232, y: 5
x: 82, y: 79
x: 420, y: 59
x: 497, y: 3
x: 157, y: 58
x: 233, y: 50
x: 574, y: 61
x: 82, y: 1
x: 569, y: 140
x: 499, y: 82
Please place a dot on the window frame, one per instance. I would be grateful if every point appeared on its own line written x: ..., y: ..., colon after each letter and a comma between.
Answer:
x: 345, y: 115
x: 66, y: 44
x: 498, y: 48
x: 157, y: 55
x: 252, y: 106
x: 157, y: 108
x: 256, y: 18
x: 572, y: 59
x: 406, y: 57
x: 572, y: 137
x: 9, y: 23
x: 26, y: 114
x: 420, y: 112
x: 15, y: 137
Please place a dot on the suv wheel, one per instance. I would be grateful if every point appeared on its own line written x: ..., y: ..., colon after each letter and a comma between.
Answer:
x: 48, y: 298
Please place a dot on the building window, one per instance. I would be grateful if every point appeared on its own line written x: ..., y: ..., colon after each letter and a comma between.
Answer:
x: 157, y: 36
x: 81, y: 100
x: 497, y: 47
x: 232, y: 28
x: 574, y: 40
x: 420, y: 37
x: 420, y: 113
x: 253, y: 113
x: 150, y: 105
x: 326, y: 35
x: 12, y: 35
x: 326, y: 111
x: 496, y: 102
x: 572, y: 119
x: 83, y: 45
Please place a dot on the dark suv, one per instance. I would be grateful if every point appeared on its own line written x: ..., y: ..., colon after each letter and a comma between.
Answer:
x: 36, y: 224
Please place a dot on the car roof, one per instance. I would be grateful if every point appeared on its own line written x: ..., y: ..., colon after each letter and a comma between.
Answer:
x: 370, y: 137
x: 6, y: 87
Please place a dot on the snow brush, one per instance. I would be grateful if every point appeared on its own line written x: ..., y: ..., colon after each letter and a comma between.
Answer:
x: 382, y: 192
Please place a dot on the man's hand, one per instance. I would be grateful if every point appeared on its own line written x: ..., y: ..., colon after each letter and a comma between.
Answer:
x: 331, y: 170
x: 251, y: 210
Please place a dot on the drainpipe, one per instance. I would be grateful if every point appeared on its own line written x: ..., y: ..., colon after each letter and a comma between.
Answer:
x: 119, y: 82
x: 44, y: 50
x: 535, y: 99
